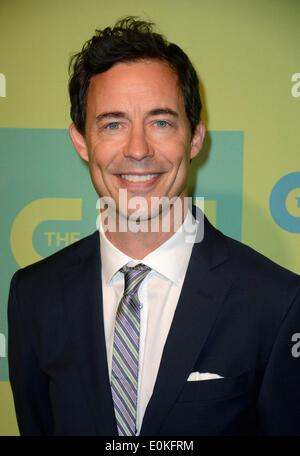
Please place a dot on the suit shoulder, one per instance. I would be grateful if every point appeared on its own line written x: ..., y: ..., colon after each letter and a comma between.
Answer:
x: 253, y: 265
x: 62, y: 259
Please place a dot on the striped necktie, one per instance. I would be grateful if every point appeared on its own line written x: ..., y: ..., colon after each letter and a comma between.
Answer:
x: 125, y: 359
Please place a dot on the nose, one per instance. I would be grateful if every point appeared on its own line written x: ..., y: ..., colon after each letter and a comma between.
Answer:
x: 137, y: 146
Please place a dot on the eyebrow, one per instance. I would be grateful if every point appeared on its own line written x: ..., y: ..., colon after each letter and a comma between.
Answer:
x: 108, y: 115
x: 163, y: 111
x: 152, y: 112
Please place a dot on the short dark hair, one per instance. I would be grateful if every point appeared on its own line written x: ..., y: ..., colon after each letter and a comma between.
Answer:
x: 129, y: 40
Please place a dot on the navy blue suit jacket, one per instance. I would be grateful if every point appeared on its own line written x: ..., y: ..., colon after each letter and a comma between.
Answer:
x: 236, y: 316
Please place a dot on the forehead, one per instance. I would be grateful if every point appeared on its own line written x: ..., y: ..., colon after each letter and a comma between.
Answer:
x: 140, y: 82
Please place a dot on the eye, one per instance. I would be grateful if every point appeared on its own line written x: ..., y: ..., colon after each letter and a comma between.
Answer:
x: 112, y: 126
x: 162, y: 123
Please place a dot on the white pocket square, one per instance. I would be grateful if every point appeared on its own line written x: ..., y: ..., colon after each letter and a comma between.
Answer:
x: 197, y: 376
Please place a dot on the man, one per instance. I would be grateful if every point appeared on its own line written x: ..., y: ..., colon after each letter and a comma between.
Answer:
x: 138, y: 331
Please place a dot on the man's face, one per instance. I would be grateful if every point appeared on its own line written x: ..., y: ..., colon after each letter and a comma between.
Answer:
x: 137, y: 134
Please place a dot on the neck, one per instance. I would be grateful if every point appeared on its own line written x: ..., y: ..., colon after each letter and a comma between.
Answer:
x: 139, y: 244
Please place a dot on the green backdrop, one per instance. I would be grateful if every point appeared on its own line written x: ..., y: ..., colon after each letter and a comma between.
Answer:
x: 248, y: 57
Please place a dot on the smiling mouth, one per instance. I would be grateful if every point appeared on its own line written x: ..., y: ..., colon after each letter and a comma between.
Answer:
x: 139, y: 177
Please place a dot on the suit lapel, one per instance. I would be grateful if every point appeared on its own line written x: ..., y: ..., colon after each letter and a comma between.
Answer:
x: 201, y: 298
x: 82, y: 290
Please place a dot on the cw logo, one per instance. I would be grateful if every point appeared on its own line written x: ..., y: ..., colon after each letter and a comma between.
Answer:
x: 285, y: 202
x: 31, y: 216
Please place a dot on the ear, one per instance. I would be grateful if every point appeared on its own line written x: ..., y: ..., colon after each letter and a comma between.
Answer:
x: 197, y: 140
x: 78, y: 142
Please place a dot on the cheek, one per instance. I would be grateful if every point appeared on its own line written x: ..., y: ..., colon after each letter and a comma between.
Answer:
x: 105, y: 150
x: 176, y: 151
x: 96, y: 169
x: 181, y: 158
x: 98, y: 155
x: 181, y: 167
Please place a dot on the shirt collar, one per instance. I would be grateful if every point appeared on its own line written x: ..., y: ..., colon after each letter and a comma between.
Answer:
x: 163, y: 260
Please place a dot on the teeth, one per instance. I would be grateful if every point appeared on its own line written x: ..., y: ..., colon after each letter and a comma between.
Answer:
x: 136, y: 178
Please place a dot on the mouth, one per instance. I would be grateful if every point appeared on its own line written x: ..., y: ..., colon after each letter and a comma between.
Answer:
x: 138, y: 177
x: 138, y: 181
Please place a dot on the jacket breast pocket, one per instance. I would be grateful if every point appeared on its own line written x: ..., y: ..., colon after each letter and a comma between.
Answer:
x: 216, y: 389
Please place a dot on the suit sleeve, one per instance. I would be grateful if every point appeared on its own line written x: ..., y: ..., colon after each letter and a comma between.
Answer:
x: 29, y: 385
x: 279, y: 398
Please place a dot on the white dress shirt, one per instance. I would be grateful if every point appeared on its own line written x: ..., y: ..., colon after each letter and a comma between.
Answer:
x: 158, y: 294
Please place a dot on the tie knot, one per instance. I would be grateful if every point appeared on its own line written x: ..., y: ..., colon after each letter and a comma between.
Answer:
x: 134, y: 277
